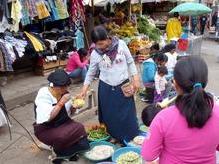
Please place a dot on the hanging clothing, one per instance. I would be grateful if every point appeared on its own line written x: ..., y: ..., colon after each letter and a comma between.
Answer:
x: 25, y: 20
x: 79, y: 39
x: 32, y: 8
x: 42, y: 11
x: 61, y: 6
x: 54, y: 12
x: 4, y: 25
x: 35, y: 42
x: 16, y: 15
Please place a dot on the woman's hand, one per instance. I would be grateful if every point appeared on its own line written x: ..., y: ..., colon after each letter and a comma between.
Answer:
x: 136, y: 83
x: 83, y: 93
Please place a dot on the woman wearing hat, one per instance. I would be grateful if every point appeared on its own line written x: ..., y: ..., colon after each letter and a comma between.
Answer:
x: 53, y: 125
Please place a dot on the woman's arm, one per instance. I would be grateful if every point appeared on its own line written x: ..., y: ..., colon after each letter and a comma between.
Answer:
x: 92, y: 70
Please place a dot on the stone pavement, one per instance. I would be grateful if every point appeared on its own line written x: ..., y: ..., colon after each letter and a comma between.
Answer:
x: 21, y: 150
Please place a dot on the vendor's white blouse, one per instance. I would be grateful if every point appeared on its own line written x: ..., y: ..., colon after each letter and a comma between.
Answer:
x: 44, y: 102
x: 115, y: 73
x: 172, y: 60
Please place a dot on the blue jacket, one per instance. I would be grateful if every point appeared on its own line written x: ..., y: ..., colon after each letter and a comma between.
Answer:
x: 148, y: 71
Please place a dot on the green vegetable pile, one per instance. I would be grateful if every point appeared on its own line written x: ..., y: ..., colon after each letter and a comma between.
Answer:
x: 129, y: 158
x: 148, y: 29
x: 97, y: 133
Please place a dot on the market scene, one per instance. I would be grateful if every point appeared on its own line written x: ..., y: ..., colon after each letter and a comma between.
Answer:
x: 109, y: 81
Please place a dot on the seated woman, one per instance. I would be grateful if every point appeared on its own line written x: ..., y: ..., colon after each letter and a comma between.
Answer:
x: 77, y: 64
x: 53, y: 125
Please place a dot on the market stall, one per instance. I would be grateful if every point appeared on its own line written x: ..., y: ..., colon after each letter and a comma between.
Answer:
x: 192, y: 9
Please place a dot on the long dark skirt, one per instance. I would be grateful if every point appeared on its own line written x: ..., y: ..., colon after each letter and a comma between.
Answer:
x: 66, y: 139
x: 117, y: 112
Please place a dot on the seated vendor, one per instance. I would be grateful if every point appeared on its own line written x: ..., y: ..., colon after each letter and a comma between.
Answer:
x: 53, y: 125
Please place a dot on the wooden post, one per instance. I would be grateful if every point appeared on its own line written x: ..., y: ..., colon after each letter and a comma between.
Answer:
x: 140, y: 1
x: 93, y: 11
x: 130, y: 9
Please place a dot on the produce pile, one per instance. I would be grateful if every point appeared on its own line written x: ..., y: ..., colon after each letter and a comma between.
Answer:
x: 100, y: 152
x: 126, y: 30
x: 148, y: 28
x: 77, y: 103
x: 97, y: 132
x: 139, y: 44
x: 137, y: 141
x: 129, y: 158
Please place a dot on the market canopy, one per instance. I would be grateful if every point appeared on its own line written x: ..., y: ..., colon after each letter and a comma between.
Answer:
x: 191, y: 9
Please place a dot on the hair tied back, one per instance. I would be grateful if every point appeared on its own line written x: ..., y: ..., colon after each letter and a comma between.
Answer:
x: 197, y: 85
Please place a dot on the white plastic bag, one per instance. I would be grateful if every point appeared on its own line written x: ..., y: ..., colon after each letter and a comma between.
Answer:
x: 3, y: 120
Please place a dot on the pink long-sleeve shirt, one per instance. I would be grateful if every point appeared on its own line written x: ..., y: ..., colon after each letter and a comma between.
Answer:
x: 173, y: 142
x: 74, y: 62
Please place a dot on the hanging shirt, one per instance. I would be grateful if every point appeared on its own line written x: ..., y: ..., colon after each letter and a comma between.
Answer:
x: 79, y: 39
x: 16, y: 15
x: 42, y: 11
x: 61, y: 6
x: 45, y: 104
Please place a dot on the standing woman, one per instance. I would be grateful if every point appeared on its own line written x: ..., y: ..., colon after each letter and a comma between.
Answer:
x: 188, y: 131
x: 113, y: 58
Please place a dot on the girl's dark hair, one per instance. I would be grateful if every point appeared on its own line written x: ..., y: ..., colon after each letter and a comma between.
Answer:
x: 162, y: 70
x: 191, y: 75
x: 160, y: 57
x: 149, y: 113
x: 99, y: 33
x: 82, y: 53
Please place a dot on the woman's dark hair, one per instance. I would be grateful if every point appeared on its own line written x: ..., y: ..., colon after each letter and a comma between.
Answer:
x: 168, y: 48
x: 99, y: 33
x: 82, y: 53
x: 160, y: 57
x: 155, y: 46
x: 191, y: 75
x: 162, y: 70
x: 149, y: 113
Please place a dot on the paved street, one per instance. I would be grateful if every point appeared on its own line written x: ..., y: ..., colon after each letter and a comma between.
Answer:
x: 21, y: 150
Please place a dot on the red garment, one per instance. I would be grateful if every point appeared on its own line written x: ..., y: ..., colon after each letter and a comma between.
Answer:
x: 74, y: 62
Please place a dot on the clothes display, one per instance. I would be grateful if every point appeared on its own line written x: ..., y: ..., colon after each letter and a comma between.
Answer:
x: 10, y: 49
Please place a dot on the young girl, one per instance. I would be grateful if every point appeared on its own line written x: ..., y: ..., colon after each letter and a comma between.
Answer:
x: 160, y: 84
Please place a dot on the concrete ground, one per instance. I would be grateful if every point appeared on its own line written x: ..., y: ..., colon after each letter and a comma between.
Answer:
x: 21, y: 150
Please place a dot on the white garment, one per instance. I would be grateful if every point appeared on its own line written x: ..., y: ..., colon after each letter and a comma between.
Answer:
x: 44, y: 102
x: 112, y: 73
x: 160, y: 83
x: 172, y: 60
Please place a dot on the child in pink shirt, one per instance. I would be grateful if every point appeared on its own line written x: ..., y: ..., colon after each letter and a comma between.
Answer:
x: 189, y: 131
x: 77, y: 64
